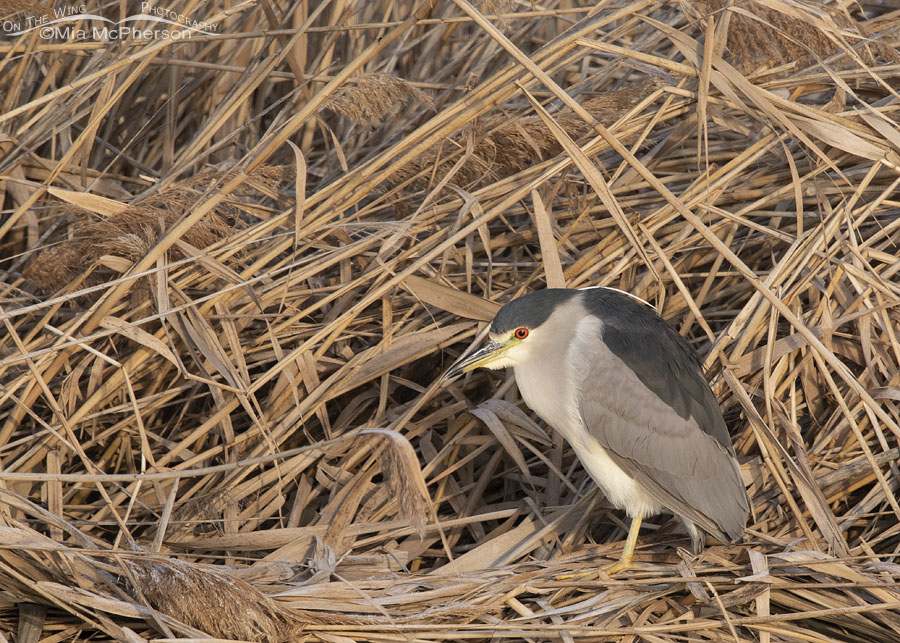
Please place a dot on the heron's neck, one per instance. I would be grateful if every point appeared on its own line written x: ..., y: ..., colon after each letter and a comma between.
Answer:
x: 545, y: 380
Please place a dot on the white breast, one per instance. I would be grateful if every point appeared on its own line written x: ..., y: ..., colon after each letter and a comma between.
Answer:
x: 552, y: 391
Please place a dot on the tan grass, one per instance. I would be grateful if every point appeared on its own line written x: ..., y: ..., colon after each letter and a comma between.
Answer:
x: 211, y: 601
x: 128, y: 235
x: 368, y: 99
x: 195, y: 340
x: 762, y: 34
x: 9, y: 8
x: 499, y: 144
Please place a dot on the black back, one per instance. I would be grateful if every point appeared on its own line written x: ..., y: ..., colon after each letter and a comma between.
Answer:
x: 660, y: 357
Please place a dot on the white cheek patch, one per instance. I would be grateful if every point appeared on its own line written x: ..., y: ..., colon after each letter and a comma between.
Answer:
x: 512, y: 356
x: 500, y: 363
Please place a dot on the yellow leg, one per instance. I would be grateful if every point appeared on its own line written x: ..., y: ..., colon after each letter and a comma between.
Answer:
x: 624, y: 562
x: 628, y: 553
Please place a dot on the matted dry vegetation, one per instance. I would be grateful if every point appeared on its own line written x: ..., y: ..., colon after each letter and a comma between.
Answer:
x: 196, y: 338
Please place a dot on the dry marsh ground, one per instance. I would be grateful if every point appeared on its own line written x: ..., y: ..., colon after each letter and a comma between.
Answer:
x: 237, y: 256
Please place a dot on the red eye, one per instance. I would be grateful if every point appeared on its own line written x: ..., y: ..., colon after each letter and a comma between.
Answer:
x: 521, y: 333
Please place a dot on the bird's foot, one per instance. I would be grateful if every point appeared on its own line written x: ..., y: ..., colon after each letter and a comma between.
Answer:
x: 613, y: 568
x: 619, y: 566
x: 623, y: 563
x: 574, y: 576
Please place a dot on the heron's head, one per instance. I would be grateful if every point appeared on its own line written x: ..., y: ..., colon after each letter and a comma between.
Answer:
x: 519, y: 331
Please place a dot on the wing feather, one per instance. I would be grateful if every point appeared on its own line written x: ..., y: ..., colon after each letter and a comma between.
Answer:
x: 649, y: 405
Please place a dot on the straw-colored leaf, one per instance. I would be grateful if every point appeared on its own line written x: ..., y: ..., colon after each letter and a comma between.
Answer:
x: 454, y: 301
x: 90, y: 202
x: 201, y: 324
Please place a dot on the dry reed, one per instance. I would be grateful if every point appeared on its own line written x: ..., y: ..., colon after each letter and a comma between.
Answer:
x: 193, y: 334
x: 9, y: 8
x: 212, y: 601
x: 761, y: 36
x: 369, y: 99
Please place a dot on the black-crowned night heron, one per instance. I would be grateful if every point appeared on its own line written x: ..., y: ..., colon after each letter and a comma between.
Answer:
x: 628, y: 393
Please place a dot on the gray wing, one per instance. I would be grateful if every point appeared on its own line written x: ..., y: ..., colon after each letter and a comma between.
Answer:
x: 646, y: 401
